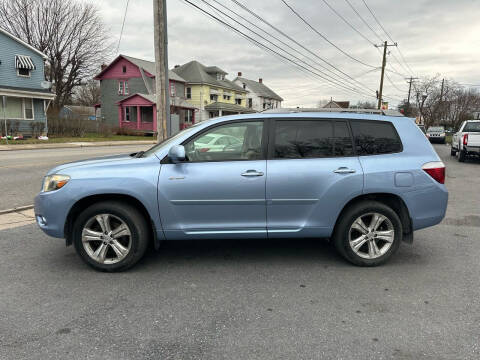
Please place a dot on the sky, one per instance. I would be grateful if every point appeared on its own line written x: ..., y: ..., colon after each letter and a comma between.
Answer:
x: 434, y: 37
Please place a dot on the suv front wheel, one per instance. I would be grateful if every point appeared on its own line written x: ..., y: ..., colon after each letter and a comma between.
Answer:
x: 111, y: 236
x: 368, y: 233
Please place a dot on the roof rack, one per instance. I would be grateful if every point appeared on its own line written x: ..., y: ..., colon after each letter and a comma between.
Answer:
x: 337, y: 110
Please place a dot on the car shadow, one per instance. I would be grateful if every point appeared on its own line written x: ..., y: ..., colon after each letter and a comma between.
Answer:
x: 244, y: 251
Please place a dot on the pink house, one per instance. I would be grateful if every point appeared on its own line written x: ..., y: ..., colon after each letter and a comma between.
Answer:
x: 128, y: 96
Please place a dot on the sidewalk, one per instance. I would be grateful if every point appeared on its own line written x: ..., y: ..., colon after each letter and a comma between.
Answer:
x: 16, y: 219
x: 75, y: 145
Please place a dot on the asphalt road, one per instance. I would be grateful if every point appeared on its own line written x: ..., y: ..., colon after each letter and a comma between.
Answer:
x: 251, y: 299
x: 22, y: 171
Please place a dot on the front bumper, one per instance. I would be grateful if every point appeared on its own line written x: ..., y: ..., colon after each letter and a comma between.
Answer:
x: 51, y: 210
x: 436, y: 139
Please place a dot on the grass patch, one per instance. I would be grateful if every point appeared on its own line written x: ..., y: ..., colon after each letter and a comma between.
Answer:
x: 88, y: 138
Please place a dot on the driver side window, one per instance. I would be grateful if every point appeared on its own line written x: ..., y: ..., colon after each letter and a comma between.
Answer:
x: 228, y: 142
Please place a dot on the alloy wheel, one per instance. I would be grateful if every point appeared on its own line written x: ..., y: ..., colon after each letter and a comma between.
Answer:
x: 373, y: 240
x: 106, y: 238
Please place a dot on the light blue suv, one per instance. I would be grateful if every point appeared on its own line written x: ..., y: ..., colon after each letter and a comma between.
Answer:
x: 365, y: 181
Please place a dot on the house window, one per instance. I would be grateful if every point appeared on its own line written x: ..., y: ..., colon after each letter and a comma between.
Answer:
x: 172, y: 89
x: 220, y: 76
x: 17, y: 108
x: 213, y: 97
x: 250, y: 103
x: 264, y: 105
x: 28, y: 108
x: 124, y: 69
x: 127, y: 113
x: 226, y: 97
x: 23, y: 72
x: 189, y: 93
x: 123, y: 87
x: 244, y: 86
x: 238, y: 101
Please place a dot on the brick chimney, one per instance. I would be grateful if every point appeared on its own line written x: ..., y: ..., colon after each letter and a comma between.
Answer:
x: 260, y: 80
x: 239, y: 73
x: 103, y: 66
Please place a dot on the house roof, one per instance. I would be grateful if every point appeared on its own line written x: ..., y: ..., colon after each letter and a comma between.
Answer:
x: 23, y: 43
x: 259, y: 88
x: 337, y: 104
x: 228, y: 107
x: 148, y: 66
x: 174, y: 101
x: 197, y: 73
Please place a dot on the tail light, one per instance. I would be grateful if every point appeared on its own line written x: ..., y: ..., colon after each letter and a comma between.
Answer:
x: 204, y: 149
x: 465, y: 139
x: 436, y: 169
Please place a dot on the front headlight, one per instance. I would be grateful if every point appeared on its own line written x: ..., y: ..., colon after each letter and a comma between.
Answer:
x: 54, y: 182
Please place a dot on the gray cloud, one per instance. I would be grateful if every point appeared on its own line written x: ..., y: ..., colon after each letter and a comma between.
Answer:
x: 435, y: 36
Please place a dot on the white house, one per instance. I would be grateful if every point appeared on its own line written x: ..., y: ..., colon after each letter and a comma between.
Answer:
x: 259, y: 97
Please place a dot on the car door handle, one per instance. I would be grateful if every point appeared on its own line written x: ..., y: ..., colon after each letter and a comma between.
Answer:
x: 252, y: 173
x: 344, y: 170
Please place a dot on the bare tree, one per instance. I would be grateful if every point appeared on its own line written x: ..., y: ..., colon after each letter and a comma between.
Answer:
x: 70, y: 33
x: 87, y: 94
x: 365, y: 105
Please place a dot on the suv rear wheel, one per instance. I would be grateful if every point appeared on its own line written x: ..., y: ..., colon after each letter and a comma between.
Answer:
x: 368, y: 233
x: 111, y: 236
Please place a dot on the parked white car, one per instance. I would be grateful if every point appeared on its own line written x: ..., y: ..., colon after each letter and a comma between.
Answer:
x: 216, y: 142
x: 466, y: 142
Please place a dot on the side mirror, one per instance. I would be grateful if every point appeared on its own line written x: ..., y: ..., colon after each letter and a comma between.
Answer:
x: 176, y: 153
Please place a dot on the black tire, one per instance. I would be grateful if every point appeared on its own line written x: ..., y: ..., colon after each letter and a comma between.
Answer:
x: 461, y: 156
x: 139, y: 229
x: 453, y: 152
x: 342, y: 229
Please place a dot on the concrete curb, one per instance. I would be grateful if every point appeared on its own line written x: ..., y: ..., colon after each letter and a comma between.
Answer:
x: 17, y: 209
x: 74, y: 145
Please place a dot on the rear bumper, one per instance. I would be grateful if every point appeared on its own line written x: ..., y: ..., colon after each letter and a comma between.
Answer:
x: 472, y: 150
x: 427, y: 206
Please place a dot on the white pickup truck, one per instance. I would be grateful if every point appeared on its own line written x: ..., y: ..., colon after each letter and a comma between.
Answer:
x: 466, y: 142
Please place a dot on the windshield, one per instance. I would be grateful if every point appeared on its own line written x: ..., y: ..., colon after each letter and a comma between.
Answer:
x: 436, y: 128
x: 170, y: 140
x: 472, y: 127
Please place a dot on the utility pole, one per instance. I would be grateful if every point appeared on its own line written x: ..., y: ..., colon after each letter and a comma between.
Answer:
x: 161, y: 67
x: 410, y: 81
x: 384, y: 62
x: 441, y: 100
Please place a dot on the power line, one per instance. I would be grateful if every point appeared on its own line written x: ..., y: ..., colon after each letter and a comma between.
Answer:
x: 386, y: 33
x: 294, y: 41
x: 286, y: 44
x: 348, y: 23
x: 325, y: 38
x: 375, y: 33
x: 265, y: 47
x: 262, y: 37
x: 123, y: 24
x: 276, y: 38
x: 363, y: 20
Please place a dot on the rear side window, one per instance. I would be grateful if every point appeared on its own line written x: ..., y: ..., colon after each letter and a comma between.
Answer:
x: 311, y: 139
x: 375, y: 137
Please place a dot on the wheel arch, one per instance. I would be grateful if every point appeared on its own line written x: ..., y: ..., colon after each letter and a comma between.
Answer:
x: 85, y: 202
x: 394, y: 201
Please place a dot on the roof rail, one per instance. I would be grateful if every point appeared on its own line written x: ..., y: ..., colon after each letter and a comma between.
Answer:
x: 336, y: 110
